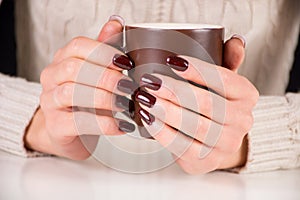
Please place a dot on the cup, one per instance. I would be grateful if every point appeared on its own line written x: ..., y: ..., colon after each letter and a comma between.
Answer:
x: 150, y: 44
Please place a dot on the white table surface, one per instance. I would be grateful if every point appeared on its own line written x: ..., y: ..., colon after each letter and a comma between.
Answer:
x: 57, y: 178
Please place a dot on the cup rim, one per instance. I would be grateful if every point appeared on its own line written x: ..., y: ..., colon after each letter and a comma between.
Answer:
x: 174, y: 26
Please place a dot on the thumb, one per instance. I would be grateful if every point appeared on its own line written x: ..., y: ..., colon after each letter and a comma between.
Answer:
x: 234, y: 52
x: 111, y: 32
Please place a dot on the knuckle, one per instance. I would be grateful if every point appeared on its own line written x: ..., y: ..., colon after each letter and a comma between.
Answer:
x: 244, y: 79
x: 44, y: 75
x: 253, y: 92
x: 75, y: 43
x: 171, y: 93
x: 201, y: 131
x: 226, y: 77
x: 207, y: 104
x: 254, y: 96
x: 63, y: 94
x: 247, y: 85
x: 57, y: 54
x: 103, y: 99
x: 69, y: 67
x: 170, y: 108
x: 106, y: 77
x: 207, y: 132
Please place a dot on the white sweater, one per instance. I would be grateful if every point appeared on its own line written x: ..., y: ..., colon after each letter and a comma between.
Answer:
x: 271, y: 28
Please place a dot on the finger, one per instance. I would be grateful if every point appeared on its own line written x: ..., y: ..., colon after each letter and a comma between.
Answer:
x: 226, y: 138
x: 94, y: 52
x: 191, y: 97
x: 189, y: 123
x: 234, y: 53
x: 71, y: 95
x: 84, y: 123
x: 219, y: 79
x: 78, y: 71
x: 111, y: 31
x: 177, y: 143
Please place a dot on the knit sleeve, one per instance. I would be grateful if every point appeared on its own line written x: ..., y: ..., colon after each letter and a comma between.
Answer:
x: 274, y: 140
x: 19, y: 100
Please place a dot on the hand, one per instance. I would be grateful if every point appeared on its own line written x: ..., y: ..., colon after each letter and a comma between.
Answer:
x: 204, y: 129
x: 84, y: 74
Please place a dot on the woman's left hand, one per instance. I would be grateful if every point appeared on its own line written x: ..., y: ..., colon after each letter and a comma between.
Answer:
x: 204, y: 129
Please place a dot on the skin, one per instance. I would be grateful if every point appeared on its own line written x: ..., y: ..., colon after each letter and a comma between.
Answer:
x: 54, y: 131
x: 217, y: 139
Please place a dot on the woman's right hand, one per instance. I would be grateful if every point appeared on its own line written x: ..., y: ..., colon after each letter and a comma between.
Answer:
x: 84, y: 74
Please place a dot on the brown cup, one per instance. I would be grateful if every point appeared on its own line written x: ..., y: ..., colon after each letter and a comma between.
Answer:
x: 150, y: 44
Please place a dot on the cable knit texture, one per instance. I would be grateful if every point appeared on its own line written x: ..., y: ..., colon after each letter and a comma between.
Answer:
x: 274, y: 141
x: 19, y: 100
x: 271, y: 28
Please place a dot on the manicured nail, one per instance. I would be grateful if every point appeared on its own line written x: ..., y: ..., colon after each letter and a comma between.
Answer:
x: 126, y: 86
x: 130, y: 112
x: 145, y: 98
x: 123, y: 62
x: 126, y: 126
x: 146, y: 116
x: 150, y: 82
x: 241, y: 38
x: 177, y: 63
x: 124, y: 103
x: 117, y: 18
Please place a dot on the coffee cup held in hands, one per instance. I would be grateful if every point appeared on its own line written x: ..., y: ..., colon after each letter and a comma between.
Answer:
x: 149, y: 45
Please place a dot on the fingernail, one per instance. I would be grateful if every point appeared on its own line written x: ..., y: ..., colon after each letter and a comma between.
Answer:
x: 241, y: 38
x: 117, y: 18
x: 124, y: 103
x: 123, y: 62
x: 130, y: 113
x: 177, y: 63
x: 126, y: 86
x: 150, y: 82
x: 145, y: 98
x: 146, y: 116
x: 126, y: 126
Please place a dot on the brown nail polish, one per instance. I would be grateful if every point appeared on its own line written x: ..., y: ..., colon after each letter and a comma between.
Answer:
x: 146, y: 116
x: 145, y: 98
x: 123, y: 62
x: 124, y: 103
x: 177, y: 63
x: 126, y: 86
x: 126, y: 126
x: 150, y: 82
x: 130, y: 112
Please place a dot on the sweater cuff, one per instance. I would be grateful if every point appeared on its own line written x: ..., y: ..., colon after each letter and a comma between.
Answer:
x: 274, y: 140
x: 19, y: 101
